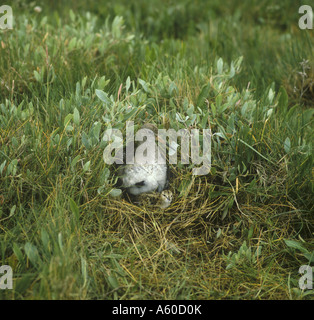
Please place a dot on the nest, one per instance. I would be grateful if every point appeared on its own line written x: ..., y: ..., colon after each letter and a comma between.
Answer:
x: 193, y: 211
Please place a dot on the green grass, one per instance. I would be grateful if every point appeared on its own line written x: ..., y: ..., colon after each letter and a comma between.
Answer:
x: 240, y: 232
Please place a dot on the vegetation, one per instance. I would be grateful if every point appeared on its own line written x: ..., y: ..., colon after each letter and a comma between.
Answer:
x: 68, y: 72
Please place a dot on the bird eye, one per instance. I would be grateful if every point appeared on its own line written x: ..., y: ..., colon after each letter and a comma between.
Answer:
x: 140, y: 184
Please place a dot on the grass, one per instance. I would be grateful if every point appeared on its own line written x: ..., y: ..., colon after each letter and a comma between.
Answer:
x: 240, y: 232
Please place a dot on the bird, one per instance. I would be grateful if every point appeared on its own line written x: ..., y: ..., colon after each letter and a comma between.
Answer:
x: 152, y: 200
x: 146, y: 175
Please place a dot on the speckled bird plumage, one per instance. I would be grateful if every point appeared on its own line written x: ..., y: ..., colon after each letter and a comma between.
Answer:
x: 153, y: 200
